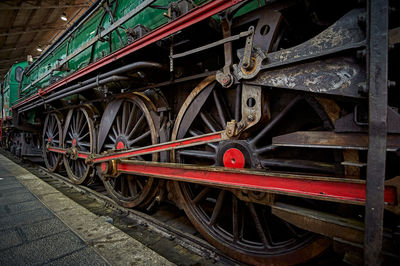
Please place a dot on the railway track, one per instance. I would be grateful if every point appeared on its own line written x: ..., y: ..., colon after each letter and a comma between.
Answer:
x: 166, y: 230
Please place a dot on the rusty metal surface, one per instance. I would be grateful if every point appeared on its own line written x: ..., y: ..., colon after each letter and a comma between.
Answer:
x: 346, y: 33
x: 337, y: 76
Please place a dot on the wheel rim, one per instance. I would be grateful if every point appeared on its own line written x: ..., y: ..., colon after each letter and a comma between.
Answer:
x: 132, y: 127
x: 245, y: 230
x: 79, y: 134
x: 52, y: 136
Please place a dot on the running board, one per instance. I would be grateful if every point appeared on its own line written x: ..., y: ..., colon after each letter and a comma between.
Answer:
x: 322, y: 223
x: 351, y: 191
x: 331, y: 140
x: 327, y: 224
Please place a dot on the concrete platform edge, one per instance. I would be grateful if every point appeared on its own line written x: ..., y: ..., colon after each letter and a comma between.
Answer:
x: 113, y: 245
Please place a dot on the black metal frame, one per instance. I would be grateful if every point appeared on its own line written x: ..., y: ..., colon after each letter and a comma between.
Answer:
x: 377, y: 80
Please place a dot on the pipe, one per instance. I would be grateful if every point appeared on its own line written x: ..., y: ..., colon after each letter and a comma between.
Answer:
x: 118, y: 71
x: 87, y: 87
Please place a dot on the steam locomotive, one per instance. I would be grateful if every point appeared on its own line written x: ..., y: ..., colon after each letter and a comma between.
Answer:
x: 273, y: 124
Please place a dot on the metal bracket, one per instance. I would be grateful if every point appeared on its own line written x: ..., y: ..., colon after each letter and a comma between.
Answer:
x: 247, y: 63
x: 251, y: 107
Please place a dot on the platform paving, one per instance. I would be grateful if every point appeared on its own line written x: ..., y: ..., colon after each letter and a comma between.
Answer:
x: 41, y: 226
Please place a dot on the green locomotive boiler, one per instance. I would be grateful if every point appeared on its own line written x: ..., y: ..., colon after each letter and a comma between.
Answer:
x: 254, y: 117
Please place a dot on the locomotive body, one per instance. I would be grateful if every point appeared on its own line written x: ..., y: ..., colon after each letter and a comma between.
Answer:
x: 251, y: 116
x: 10, y: 87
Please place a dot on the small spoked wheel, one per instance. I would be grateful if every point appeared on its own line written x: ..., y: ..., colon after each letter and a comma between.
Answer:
x: 127, y: 123
x: 79, y: 135
x: 52, y: 137
x: 244, y: 227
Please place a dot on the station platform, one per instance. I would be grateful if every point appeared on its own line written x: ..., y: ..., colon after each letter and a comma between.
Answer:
x: 41, y: 226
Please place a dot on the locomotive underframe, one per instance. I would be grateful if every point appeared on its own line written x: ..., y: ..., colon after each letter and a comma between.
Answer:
x: 309, y: 68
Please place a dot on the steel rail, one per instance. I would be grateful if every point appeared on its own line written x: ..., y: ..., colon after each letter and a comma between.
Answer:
x: 192, y: 17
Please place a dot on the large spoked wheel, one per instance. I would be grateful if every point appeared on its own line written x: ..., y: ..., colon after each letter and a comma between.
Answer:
x: 244, y: 229
x: 79, y: 134
x: 127, y: 123
x: 52, y: 137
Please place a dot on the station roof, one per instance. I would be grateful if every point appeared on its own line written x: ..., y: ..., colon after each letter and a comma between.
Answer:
x: 29, y: 25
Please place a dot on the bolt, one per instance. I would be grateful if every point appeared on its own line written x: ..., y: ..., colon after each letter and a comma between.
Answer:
x: 226, y: 80
x: 250, y: 118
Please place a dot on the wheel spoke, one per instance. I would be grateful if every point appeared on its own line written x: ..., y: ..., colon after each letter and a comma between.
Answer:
x: 139, y: 183
x: 235, y: 219
x: 124, y: 186
x: 70, y: 136
x: 109, y: 146
x: 138, y: 124
x: 207, y: 122
x: 132, y: 186
x: 73, y: 122
x: 219, y: 109
x: 84, y: 144
x: 53, y: 125
x: 114, y: 131
x: 81, y: 130
x: 125, y: 112
x: 141, y: 137
x: 198, y: 153
x: 201, y: 195
x: 265, y: 149
x: 299, y: 164
x: 258, y: 225
x: 131, y: 119
x: 193, y: 133
x: 217, y: 208
x: 84, y: 136
x: 274, y: 121
x: 81, y: 120
x: 118, y: 118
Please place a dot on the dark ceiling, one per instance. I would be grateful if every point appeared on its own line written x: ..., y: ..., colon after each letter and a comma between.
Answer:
x: 27, y: 25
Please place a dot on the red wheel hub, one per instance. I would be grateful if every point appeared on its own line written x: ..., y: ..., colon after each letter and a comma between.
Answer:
x: 49, y: 140
x: 233, y: 158
x: 74, y: 142
x: 120, y: 145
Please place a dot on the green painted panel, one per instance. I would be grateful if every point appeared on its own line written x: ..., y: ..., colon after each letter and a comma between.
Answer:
x: 11, y: 86
x: 100, y: 20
